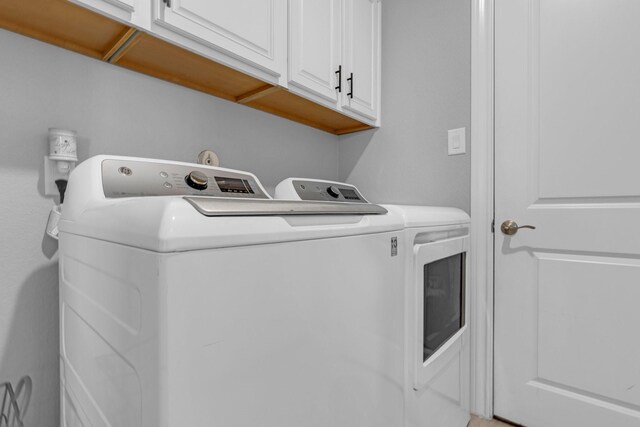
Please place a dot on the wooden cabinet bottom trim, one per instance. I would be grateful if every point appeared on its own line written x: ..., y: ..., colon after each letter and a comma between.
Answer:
x: 73, y: 27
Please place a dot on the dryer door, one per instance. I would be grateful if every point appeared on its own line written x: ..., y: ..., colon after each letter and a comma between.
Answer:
x: 440, y: 279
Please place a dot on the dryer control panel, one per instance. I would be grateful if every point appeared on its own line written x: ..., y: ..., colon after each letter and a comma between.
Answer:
x: 319, y: 190
x: 131, y: 178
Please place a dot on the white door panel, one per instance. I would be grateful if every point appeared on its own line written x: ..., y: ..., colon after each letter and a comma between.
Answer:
x: 362, y: 57
x: 253, y: 30
x: 589, y: 93
x: 566, y: 294
x: 119, y: 9
x: 569, y: 326
x: 314, y: 46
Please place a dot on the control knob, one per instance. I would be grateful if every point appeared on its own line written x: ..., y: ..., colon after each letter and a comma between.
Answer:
x: 197, y: 180
x: 333, y: 191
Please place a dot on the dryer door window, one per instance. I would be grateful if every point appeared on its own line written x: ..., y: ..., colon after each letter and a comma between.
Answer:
x: 444, y: 301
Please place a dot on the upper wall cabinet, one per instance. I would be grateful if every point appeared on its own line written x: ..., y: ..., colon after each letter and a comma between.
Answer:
x: 362, y: 57
x: 315, y: 47
x: 312, y: 61
x: 251, y: 31
x: 334, y: 54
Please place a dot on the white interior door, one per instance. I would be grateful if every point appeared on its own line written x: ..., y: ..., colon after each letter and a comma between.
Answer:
x: 567, y: 294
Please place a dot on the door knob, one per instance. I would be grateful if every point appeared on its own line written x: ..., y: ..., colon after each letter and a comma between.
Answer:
x: 510, y: 227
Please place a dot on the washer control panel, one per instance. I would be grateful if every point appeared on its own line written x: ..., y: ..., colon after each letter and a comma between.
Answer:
x: 130, y: 178
x: 327, y: 191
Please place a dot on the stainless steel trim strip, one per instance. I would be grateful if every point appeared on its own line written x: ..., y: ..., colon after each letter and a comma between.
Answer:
x: 214, y: 206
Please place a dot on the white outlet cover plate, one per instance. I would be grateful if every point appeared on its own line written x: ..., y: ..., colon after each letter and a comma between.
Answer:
x: 457, y: 142
x: 51, y: 174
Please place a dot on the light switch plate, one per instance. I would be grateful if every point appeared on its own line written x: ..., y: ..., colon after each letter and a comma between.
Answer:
x: 457, y: 141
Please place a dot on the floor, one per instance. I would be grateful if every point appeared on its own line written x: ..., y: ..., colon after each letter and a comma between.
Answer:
x: 479, y: 422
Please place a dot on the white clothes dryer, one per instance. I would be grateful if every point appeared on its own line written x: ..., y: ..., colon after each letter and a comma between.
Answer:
x: 188, y: 297
x: 434, y: 246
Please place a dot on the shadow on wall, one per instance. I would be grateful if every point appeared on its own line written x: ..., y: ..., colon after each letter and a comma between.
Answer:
x: 352, y: 148
x: 35, y: 311
x: 15, y: 402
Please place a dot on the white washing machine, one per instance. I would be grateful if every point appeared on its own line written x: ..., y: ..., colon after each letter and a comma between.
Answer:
x: 188, y: 297
x: 434, y: 246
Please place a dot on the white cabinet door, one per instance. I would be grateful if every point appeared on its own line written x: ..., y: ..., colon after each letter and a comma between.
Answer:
x: 362, y: 57
x: 315, y: 47
x: 253, y: 31
x: 122, y: 10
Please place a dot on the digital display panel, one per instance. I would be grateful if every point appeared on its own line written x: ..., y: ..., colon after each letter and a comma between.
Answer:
x: 233, y: 185
x: 349, y: 194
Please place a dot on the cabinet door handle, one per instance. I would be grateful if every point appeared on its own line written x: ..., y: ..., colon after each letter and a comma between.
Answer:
x: 339, y: 74
x: 350, y: 80
x: 167, y: 2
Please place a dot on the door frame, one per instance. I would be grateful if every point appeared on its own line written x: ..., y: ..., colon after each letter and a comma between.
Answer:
x: 482, y: 206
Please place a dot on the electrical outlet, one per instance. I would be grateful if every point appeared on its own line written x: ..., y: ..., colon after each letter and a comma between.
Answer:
x: 61, y: 160
x: 457, y: 142
x: 52, y: 173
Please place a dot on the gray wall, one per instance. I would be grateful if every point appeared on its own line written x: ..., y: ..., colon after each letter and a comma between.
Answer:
x: 115, y: 111
x: 426, y: 90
